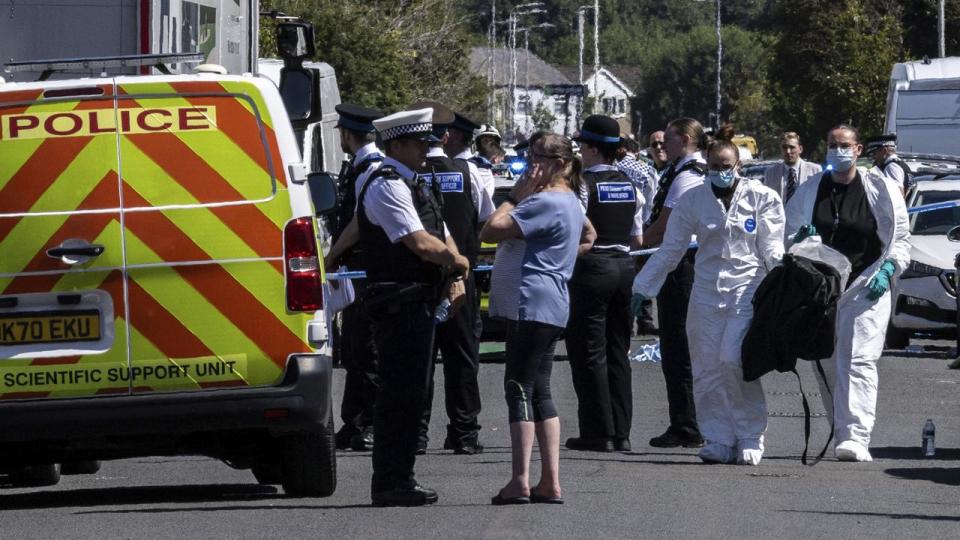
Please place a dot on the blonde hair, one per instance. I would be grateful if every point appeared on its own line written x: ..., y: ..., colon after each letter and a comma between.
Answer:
x: 790, y: 136
x: 561, y: 147
x: 693, y: 129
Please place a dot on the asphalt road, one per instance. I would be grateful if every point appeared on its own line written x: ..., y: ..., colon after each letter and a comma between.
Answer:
x: 648, y: 493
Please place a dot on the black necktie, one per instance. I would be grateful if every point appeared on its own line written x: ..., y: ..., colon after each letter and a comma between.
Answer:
x: 791, y: 184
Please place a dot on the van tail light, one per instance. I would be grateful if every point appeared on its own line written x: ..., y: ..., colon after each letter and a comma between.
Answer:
x: 302, y: 266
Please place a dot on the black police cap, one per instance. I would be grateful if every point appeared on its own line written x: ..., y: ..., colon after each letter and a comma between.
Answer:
x: 599, y: 130
x: 878, y: 141
x: 464, y: 124
x: 357, y: 118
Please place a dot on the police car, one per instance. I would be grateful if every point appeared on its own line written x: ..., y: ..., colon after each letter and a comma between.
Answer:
x: 925, y: 295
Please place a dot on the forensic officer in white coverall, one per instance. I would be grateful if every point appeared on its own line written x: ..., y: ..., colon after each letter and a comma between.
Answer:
x: 738, y: 223
x: 861, y: 214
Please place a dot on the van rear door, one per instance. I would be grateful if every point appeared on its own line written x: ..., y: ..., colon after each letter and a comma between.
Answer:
x: 62, y: 311
x: 205, y: 204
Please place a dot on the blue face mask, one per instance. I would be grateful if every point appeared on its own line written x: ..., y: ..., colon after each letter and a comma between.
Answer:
x: 840, y: 159
x: 722, y: 179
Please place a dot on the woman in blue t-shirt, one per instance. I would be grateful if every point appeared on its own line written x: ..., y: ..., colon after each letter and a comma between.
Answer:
x: 540, y: 229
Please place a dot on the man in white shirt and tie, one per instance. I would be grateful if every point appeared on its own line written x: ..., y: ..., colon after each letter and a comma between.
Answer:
x: 787, y: 176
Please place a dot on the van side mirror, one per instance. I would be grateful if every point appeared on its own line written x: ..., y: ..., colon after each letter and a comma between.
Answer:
x: 954, y: 234
x: 295, y: 41
x: 323, y: 192
x: 296, y: 90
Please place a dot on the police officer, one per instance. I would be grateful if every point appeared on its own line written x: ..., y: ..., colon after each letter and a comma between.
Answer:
x: 883, y: 150
x: 464, y: 206
x: 357, y: 353
x: 684, y: 141
x: 408, y: 257
x: 599, y: 327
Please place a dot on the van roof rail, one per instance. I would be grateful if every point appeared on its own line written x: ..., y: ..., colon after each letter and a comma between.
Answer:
x: 49, y: 67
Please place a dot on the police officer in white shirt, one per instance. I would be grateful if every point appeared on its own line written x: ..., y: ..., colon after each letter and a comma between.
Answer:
x: 785, y: 177
x: 464, y: 206
x: 883, y: 150
x: 457, y: 146
x: 408, y: 256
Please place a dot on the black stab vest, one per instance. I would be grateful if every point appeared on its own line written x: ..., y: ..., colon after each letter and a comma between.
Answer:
x: 611, y: 206
x: 347, y: 196
x: 456, y: 191
x: 385, y: 261
x: 667, y: 180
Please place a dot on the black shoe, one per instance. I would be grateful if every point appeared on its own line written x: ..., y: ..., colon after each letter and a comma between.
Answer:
x: 363, y: 442
x: 671, y: 439
x: 342, y: 438
x: 590, y: 445
x: 463, y: 448
x: 414, y: 496
x: 421, y: 448
x: 622, y: 445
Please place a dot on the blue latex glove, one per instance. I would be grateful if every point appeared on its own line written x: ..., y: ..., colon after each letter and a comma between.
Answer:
x: 636, y: 304
x: 879, y: 284
x: 805, y: 232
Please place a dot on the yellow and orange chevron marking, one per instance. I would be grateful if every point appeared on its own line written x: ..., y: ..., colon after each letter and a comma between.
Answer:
x: 221, y: 323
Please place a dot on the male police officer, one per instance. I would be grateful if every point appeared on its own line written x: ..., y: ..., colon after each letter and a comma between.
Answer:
x: 883, y: 150
x: 464, y: 205
x: 598, y: 332
x: 358, y: 355
x: 407, y: 255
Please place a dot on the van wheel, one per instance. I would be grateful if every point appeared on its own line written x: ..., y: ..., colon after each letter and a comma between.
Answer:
x: 897, y: 338
x: 310, y: 463
x: 35, y: 475
x: 268, y: 473
x: 89, y: 466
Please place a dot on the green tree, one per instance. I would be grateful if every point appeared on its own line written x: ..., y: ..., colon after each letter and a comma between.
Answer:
x: 388, y: 54
x: 542, y: 117
x: 832, y: 65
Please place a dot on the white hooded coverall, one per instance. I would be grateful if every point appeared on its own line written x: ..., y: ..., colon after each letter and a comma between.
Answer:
x: 737, y: 247
x: 861, y: 322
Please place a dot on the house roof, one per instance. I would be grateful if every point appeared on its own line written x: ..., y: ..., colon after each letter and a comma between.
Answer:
x: 629, y: 77
x: 540, y: 72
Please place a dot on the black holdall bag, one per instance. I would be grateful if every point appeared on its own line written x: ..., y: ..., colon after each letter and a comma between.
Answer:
x: 794, y: 317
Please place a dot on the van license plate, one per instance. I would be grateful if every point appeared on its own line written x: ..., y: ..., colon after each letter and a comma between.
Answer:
x: 49, y: 327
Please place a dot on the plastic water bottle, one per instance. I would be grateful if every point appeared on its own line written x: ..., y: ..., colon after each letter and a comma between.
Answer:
x: 929, y: 434
x: 442, y: 313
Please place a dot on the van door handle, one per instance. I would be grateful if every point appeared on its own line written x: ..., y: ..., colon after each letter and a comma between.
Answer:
x: 75, y: 251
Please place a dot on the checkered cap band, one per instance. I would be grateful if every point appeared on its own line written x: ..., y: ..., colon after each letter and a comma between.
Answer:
x: 406, y: 129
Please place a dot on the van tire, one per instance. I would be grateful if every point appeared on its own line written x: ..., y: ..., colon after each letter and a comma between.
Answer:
x: 310, y: 463
x: 35, y: 475
x: 268, y: 473
x: 88, y: 466
x: 897, y: 338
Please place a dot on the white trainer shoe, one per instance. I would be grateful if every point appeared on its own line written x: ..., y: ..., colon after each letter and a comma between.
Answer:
x: 852, y: 451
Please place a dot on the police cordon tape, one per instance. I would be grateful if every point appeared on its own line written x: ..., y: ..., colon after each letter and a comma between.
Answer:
x: 360, y: 274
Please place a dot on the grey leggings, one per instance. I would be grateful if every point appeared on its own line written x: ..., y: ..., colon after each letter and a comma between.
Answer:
x: 526, y: 380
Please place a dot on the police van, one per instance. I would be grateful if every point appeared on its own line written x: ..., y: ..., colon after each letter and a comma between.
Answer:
x: 160, y: 278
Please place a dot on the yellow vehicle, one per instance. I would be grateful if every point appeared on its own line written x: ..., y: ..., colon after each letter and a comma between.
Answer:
x: 160, y: 280
x: 749, y: 143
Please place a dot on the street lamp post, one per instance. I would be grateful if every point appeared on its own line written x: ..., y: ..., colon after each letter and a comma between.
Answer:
x: 719, y: 63
x: 526, y: 68
x: 941, y: 29
x: 581, y: 18
x: 517, y: 11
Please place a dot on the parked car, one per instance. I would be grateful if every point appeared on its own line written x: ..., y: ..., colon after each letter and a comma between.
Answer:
x: 493, y: 329
x: 925, y: 296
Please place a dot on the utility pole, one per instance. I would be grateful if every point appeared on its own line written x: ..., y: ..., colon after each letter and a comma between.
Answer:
x: 941, y: 29
x: 596, y: 51
x: 491, y: 69
x: 719, y: 63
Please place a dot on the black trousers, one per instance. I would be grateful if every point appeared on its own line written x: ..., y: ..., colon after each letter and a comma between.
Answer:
x: 358, y: 356
x: 674, y: 351
x: 598, y: 343
x: 456, y: 340
x: 403, y: 331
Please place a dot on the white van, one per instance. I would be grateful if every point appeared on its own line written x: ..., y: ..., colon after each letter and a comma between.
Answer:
x: 923, y: 106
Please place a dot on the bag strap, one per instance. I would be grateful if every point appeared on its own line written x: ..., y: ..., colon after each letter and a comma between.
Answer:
x: 806, y: 417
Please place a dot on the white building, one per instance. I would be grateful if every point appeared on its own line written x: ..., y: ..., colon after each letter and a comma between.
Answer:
x: 540, y: 91
x: 613, y: 92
